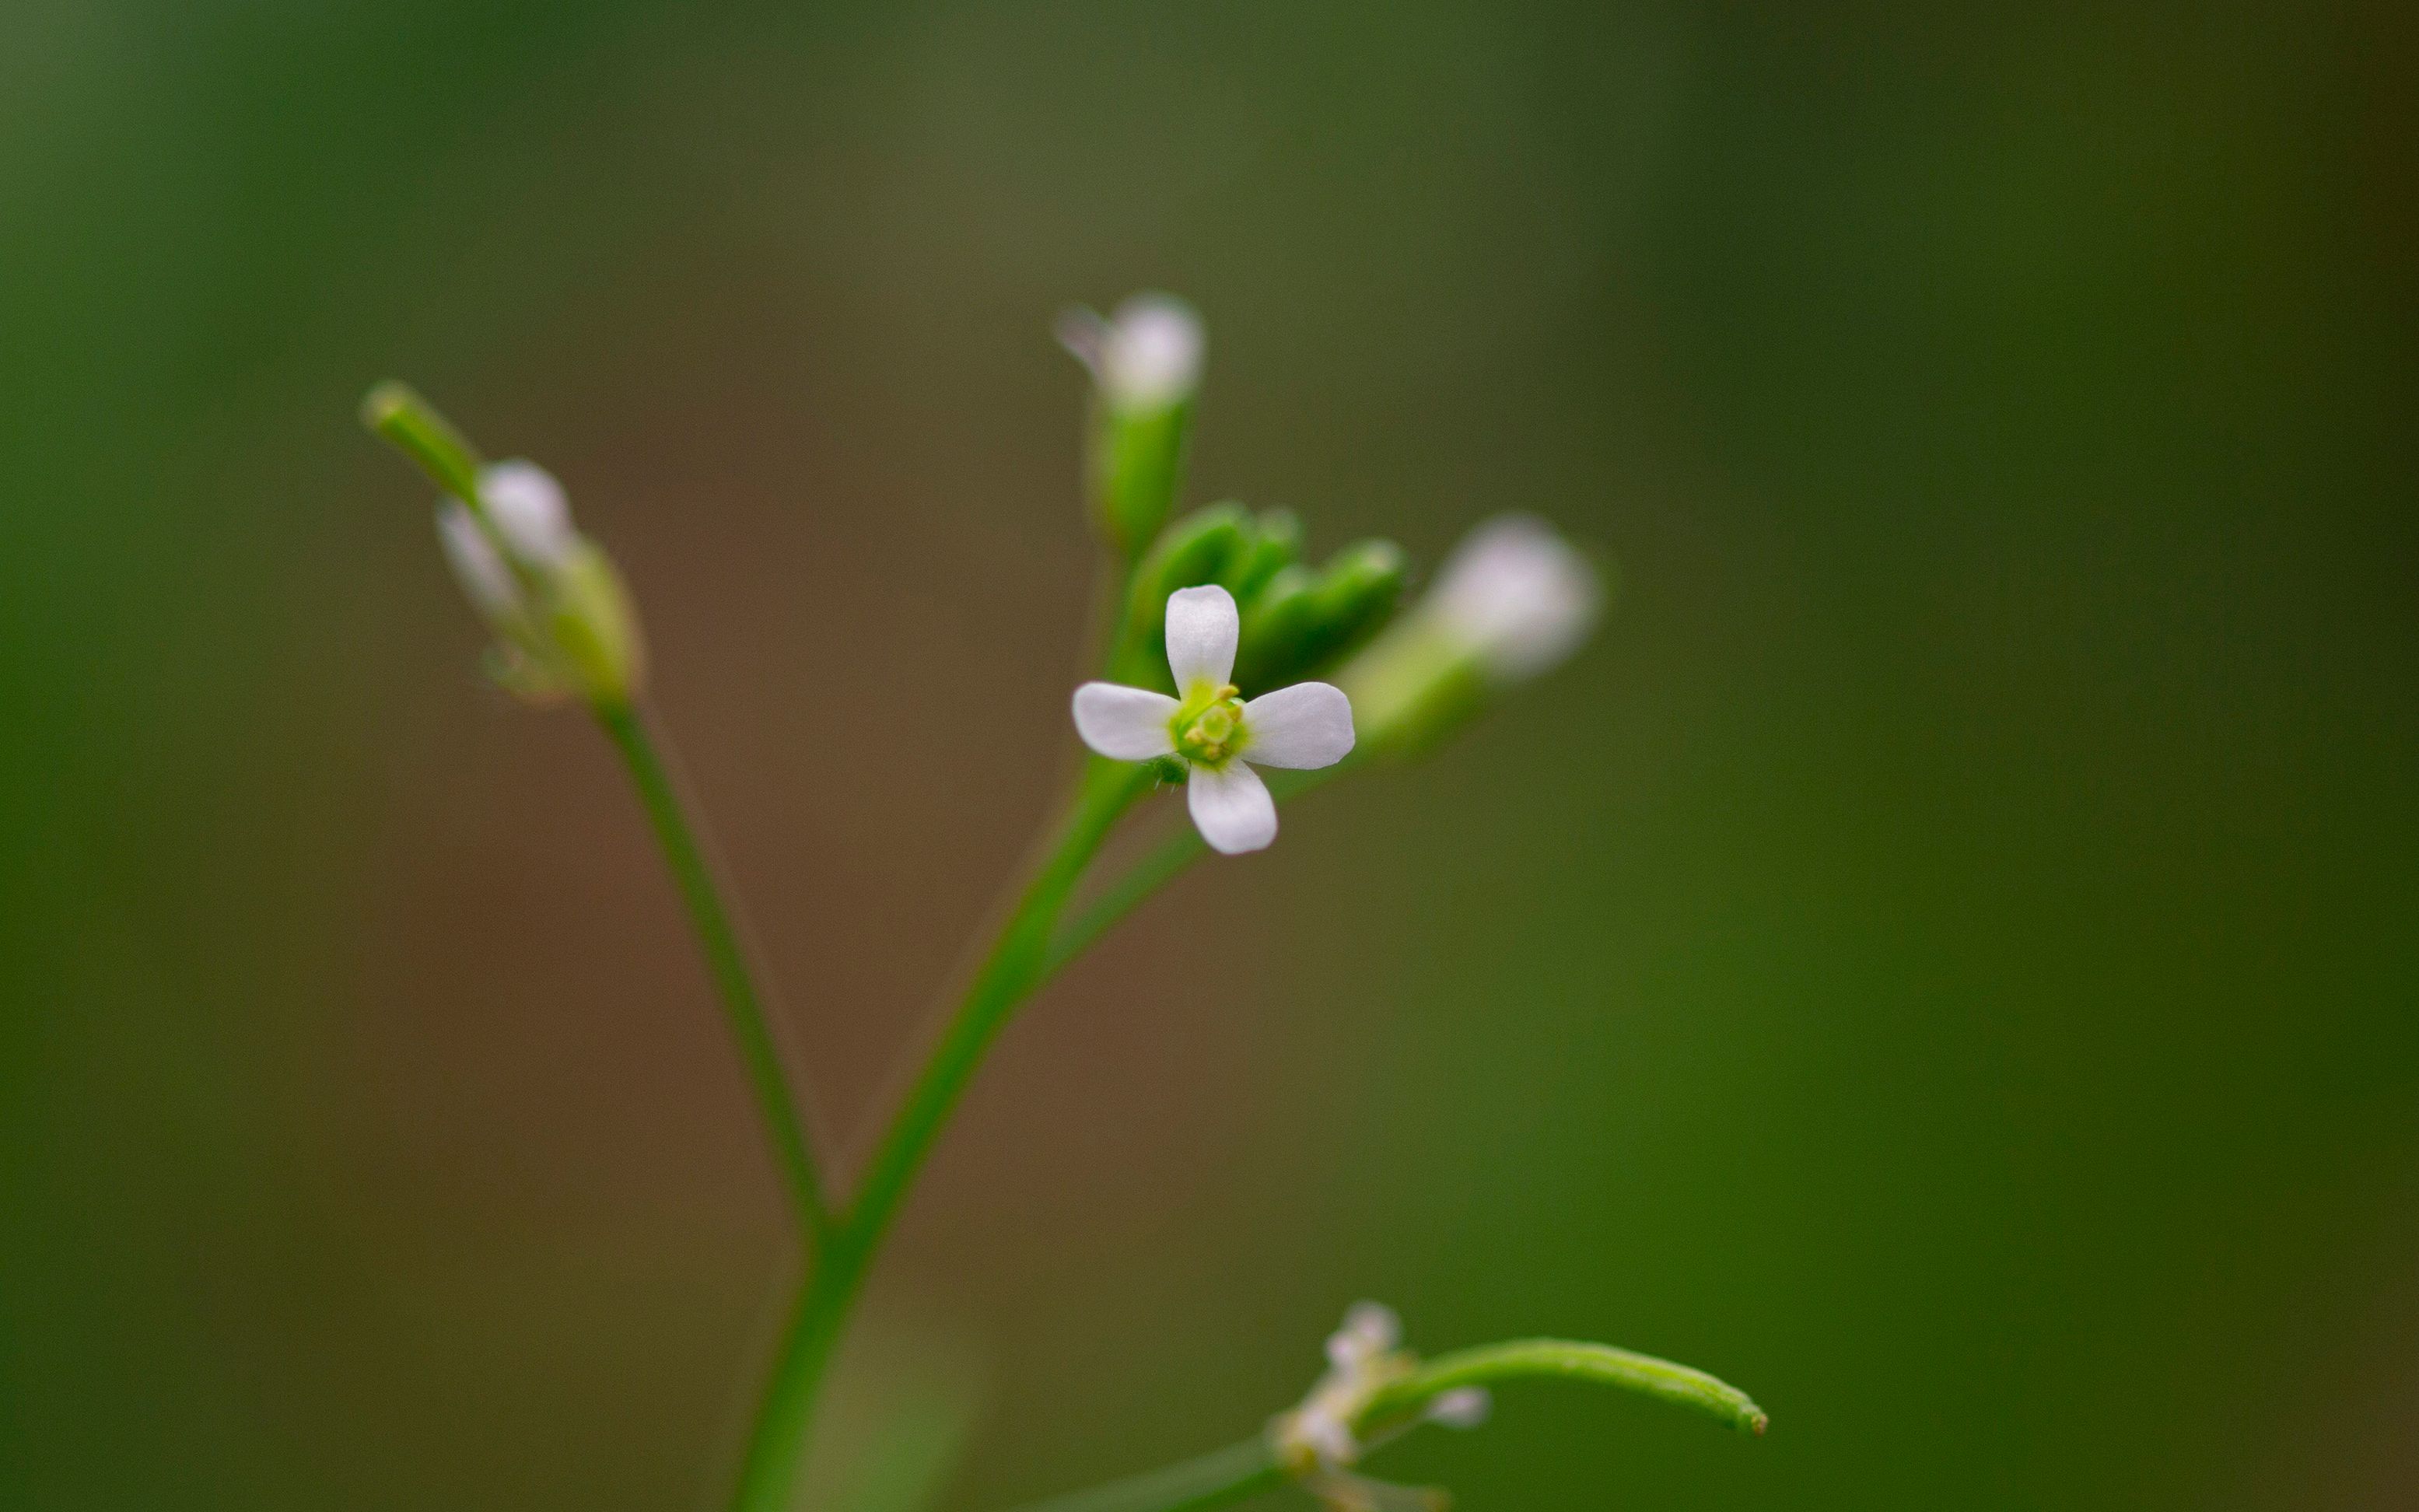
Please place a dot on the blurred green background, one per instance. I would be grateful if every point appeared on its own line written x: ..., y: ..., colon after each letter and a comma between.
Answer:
x: 1944, y: 957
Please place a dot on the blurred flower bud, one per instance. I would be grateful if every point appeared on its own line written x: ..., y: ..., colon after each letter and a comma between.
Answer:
x: 1517, y: 595
x: 563, y: 621
x: 1512, y: 601
x: 1146, y: 366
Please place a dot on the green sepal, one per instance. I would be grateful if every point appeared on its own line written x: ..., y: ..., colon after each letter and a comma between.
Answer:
x: 1137, y: 468
x: 1276, y: 543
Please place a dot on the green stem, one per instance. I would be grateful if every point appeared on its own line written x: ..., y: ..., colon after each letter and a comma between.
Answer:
x: 1162, y: 865
x: 1214, y: 1479
x: 1017, y: 963
x: 727, y: 962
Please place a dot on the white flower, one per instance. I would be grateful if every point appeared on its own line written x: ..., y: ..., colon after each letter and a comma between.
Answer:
x: 1514, y: 596
x: 562, y: 622
x: 1218, y: 737
x: 1146, y: 358
x: 1316, y: 1440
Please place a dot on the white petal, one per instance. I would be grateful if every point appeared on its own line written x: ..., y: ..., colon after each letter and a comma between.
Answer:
x: 1202, y: 628
x: 1309, y: 724
x: 1517, y: 596
x: 528, y: 507
x: 1232, y: 808
x: 1465, y: 1407
x: 1151, y: 354
x: 476, y: 564
x: 1128, y: 724
x: 1373, y: 1329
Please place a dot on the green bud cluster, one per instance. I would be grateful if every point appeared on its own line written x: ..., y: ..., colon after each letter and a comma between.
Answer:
x: 1298, y: 620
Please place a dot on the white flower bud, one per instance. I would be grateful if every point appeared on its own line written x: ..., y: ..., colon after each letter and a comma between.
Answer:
x: 1517, y: 597
x: 562, y: 622
x: 1147, y: 358
x: 1152, y: 357
x: 526, y: 505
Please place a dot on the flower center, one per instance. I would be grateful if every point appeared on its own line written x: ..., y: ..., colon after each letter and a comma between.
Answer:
x: 1208, y: 731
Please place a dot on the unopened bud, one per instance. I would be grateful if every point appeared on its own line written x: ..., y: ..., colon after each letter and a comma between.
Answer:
x: 563, y: 621
x: 1301, y: 621
x: 1517, y: 596
x: 1146, y: 366
x: 1510, y: 603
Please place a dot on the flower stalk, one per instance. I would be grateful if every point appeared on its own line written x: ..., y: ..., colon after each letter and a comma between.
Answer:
x: 1018, y: 963
x: 584, y: 641
x: 726, y: 960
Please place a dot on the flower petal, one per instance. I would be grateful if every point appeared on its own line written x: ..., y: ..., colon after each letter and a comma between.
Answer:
x: 1202, y: 628
x: 1232, y: 808
x: 1128, y: 724
x: 526, y: 505
x: 1309, y: 724
x: 477, y: 566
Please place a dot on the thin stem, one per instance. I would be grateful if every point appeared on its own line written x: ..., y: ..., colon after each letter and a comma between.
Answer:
x: 1214, y: 1479
x: 727, y: 963
x: 1008, y: 974
x: 1160, y: 866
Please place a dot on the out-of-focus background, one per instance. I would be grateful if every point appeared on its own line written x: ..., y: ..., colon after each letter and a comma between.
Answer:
x: 1944, y: 957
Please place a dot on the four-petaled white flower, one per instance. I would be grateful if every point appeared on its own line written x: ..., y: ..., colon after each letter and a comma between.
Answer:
x: 1218, y: 736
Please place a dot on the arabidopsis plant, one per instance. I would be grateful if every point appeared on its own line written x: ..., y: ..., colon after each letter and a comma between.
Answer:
x: 1217, y: 736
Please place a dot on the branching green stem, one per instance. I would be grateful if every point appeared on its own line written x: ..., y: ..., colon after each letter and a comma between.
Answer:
x: 727, y: 963
x: 1160, y: 866
x: 1018, y: 963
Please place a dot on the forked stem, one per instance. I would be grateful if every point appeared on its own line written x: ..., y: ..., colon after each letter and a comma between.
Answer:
x: 1017, y: 963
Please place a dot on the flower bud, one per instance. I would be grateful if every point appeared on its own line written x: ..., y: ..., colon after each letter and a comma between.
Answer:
x: 1301, y: 621
x: 1512, y: 601
x: 1276, y: 543
x: 563, y: 621
x: 1517, y: 597
x: 1146, y: 366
